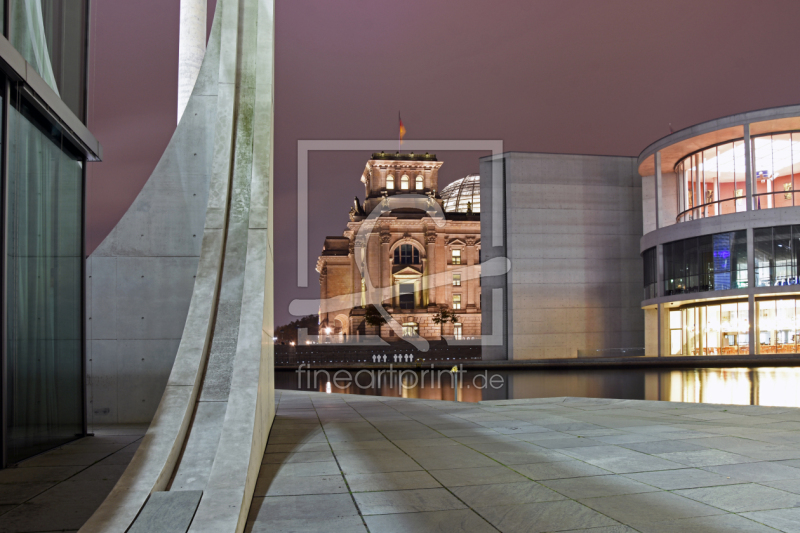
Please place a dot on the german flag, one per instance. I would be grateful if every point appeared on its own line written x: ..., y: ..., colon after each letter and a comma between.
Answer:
x: 402, y: 128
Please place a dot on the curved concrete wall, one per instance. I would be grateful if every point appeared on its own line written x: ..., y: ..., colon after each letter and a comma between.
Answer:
x: 140, y: 278
x: 203, y: 449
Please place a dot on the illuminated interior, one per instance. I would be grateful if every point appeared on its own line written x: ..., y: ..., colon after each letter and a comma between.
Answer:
x: 712, y: 181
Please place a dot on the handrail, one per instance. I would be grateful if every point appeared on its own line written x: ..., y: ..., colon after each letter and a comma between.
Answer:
x: 703, y: 206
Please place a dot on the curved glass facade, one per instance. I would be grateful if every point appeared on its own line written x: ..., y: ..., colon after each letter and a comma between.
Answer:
x: 707, y: 263
x: 718, y: 328
x: 712, y: 181
x: 776, y: 161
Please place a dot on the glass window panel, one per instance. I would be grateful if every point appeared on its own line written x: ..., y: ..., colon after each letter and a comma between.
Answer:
x: 795, y: 165
x: 782, y: 170
x: 43, y: 288
x: 764, y: 256
x: 784, y: 258
x: 710, y: 184
x: 404, y: 183
x: 766, y: 326
x: 390, y: 182
x: 51, y: 36
x: 712, y: 332
x: 740, y: 171
x: 762, y: 171
x: 419, y: 183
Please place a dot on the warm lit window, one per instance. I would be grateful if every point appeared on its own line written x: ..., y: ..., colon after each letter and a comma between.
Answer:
x: 456, y: 257
x: 390, y: 182
x: 456, y: 301
x: 410, y: 329
x: 406, y: 254
x: 457, y: 331
x: 419, y: 183
x: 404, y: 183
x: 456, y: 280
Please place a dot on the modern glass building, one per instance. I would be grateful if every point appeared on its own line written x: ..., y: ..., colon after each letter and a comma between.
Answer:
x: 45, y: 147
x: 721, y: 242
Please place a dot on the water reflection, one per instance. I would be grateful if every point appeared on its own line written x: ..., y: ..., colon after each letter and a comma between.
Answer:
x: 769, y: 386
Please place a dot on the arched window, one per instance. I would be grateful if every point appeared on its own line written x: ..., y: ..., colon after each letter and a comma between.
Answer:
x: 404, y: 183
x: 390, y: 182
x: 419, y: 183
x: 406, y: 254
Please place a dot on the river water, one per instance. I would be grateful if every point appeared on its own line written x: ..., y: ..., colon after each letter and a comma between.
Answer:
x: 773, y: 386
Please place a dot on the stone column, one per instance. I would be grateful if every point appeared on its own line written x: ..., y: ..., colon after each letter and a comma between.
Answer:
x: 191, y: 48
x: 386, y: 264
x: 471, y: 283
x: 355, y: 277
x: 323, y: 294
x: 430, y: 240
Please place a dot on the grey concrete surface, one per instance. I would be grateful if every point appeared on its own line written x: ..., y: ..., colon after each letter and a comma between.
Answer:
x: 211, y: 425
x: 60, y: 489
x: 571, y: 228
x: 347, y: 463
x: 167, y: 512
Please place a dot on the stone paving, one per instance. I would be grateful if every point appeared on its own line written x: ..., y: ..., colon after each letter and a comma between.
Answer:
x: 338, y: 462
x: 60, y: 489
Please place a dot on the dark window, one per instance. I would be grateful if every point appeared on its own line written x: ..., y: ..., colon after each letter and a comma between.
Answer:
x: 406, y: 296
x: 707, y: 263
x: 406, y: 254
x: 776, y: 255
x: 650, y: 274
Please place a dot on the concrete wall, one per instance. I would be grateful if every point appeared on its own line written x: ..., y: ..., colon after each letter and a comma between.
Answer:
x: 140, y: 279
x: 572, y: 226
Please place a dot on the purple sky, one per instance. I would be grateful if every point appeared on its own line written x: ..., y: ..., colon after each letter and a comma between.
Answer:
x: 568, y: 76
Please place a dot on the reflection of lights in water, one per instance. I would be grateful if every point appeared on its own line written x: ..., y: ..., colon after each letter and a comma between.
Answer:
x: 777, y: 387
x: 328, y: 387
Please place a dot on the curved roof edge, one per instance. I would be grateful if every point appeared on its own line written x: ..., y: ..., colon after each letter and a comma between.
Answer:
x: 676, y: 145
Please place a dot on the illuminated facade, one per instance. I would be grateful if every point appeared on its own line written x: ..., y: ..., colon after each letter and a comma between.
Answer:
x: 721, y: 218
x: 428, y: 267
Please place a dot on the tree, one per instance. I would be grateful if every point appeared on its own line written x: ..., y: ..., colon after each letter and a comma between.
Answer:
x: 442, y: 317
x: 373, y: 317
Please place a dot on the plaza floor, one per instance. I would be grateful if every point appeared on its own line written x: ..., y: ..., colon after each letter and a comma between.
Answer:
x: 338, y: 462
x: 60, y: 489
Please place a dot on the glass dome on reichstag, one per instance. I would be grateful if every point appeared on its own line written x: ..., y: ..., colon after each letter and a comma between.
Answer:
x: 458, y: 194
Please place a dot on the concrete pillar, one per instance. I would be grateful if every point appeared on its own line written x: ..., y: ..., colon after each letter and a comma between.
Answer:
x: 663, y: 320
x: 386, y: 264
x: 470, y: 250
x: 658, y: 184
x: 748, y: 165
x: 751, y: 283
x: 191, y: 48
x: 323, y: 294
x: 431, y: 264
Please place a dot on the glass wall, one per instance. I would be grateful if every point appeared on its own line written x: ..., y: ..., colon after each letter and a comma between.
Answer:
x: 778, y: 326
x: 51, y: 36
x: 776, y: 160
x: 44, y: 241
x: 712, y: 182
x: 719, y: 328
x: 707, y: 263
x: 650, y: 273
x: 776, y: 255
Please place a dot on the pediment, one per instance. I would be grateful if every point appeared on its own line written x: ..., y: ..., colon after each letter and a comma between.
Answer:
x: 456, y: 242
x: 408, y: 270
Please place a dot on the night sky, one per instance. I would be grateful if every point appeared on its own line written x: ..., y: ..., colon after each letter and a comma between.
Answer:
x: 564, y: 76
